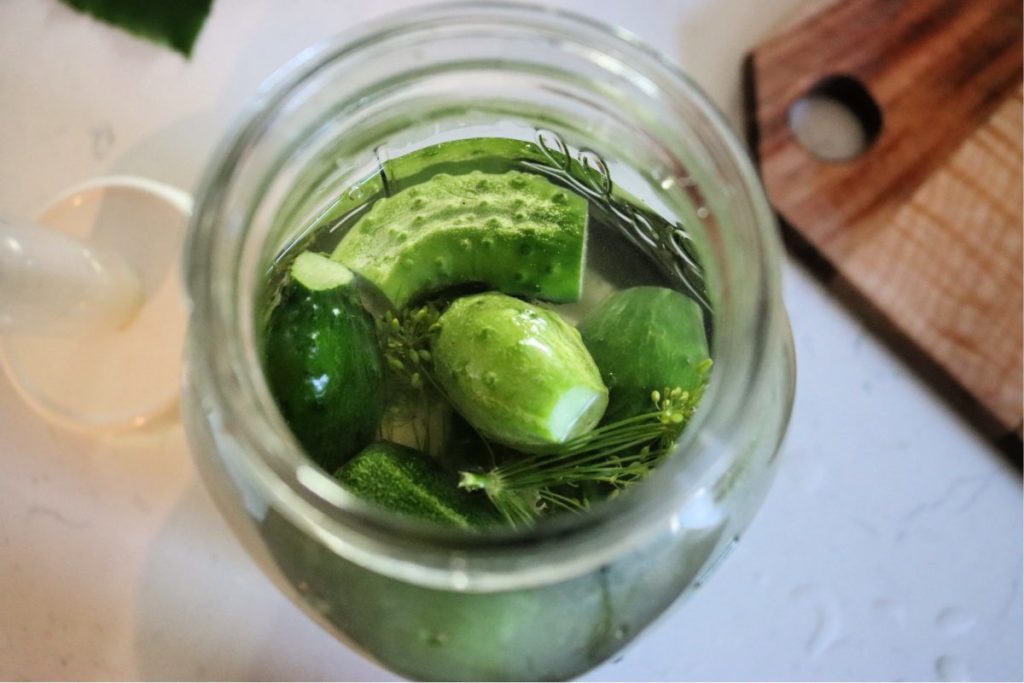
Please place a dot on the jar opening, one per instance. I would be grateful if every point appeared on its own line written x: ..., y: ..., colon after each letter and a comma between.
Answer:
x: 575, y: 88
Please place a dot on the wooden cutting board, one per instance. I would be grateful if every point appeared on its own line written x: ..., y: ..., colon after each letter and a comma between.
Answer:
x: 922, y: 231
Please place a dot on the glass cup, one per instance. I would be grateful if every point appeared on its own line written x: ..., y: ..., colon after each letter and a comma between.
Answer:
x: 619, y: 121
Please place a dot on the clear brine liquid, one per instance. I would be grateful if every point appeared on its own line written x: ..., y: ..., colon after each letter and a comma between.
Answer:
x: 628, y: 245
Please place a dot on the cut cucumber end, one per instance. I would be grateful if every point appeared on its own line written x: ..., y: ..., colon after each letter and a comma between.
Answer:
x: 318, y: 273
x: 577, y: 412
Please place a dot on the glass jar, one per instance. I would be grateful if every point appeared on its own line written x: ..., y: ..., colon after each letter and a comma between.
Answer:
x: 541, y: 603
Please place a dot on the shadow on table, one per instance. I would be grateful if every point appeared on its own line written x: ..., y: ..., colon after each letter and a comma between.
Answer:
x: 205, y: 611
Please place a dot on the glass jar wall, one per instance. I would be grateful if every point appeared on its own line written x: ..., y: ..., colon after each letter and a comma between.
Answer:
x: 616, y: 122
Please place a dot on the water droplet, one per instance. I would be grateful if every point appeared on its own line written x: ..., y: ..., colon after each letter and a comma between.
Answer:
x: 889, y: 609
x: 955, y: 622
x: 827, y: 625
x: 702, y: 212
x: 950, y: 668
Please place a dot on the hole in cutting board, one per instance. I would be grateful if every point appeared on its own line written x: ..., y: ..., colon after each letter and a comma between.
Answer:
x: 837, y: 120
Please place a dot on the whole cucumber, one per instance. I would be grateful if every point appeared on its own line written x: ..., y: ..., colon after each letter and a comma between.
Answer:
x: 322, y: 361
x: 645, y: 339
x: 517, y: 372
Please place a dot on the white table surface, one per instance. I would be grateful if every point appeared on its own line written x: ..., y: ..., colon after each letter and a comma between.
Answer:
x: 889, y: 548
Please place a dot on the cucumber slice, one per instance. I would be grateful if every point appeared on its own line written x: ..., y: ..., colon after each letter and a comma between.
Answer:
x: 517, y: 372
x: 318, y: 273
x: 322, y: 361
x: 513, y: 231
x: 645, y: 339
x: 407, y: 481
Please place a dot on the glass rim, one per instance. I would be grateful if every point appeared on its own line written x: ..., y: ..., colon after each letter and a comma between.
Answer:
x: 385, y: 541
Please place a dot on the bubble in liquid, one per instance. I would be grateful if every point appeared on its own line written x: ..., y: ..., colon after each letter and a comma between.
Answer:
x: 553, y: 147
x: 597, y: 171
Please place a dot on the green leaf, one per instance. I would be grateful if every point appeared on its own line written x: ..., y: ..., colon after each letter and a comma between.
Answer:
x: 175, y: 23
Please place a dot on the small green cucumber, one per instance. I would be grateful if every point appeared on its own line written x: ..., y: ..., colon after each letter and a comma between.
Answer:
x: 517, y: 372
x: 322, y: 361
x: 515, y: 232
x: 645, y: 339
x: 409, y: 482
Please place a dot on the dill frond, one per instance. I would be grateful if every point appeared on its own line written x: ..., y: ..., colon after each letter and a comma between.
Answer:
x: 617, y: 455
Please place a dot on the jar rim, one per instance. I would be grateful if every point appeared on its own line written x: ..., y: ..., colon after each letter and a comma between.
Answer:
x: 403, y: 548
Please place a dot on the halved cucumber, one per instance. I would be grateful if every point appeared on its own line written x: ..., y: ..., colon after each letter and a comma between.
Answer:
x: 515, y: 232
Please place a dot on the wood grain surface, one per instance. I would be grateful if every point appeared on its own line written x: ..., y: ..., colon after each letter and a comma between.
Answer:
x: 923, y: 229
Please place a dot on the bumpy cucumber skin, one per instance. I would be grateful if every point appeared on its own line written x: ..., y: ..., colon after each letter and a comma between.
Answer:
x: 645, y: 339
x: 515, y: 232
x: 325, y: 370
x: 409, y: 482
x: 506, y: 364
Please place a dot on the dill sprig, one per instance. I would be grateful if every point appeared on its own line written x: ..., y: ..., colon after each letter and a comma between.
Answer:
x: 616, y: 455
x: 414, y: 408
x: 405, y: 342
